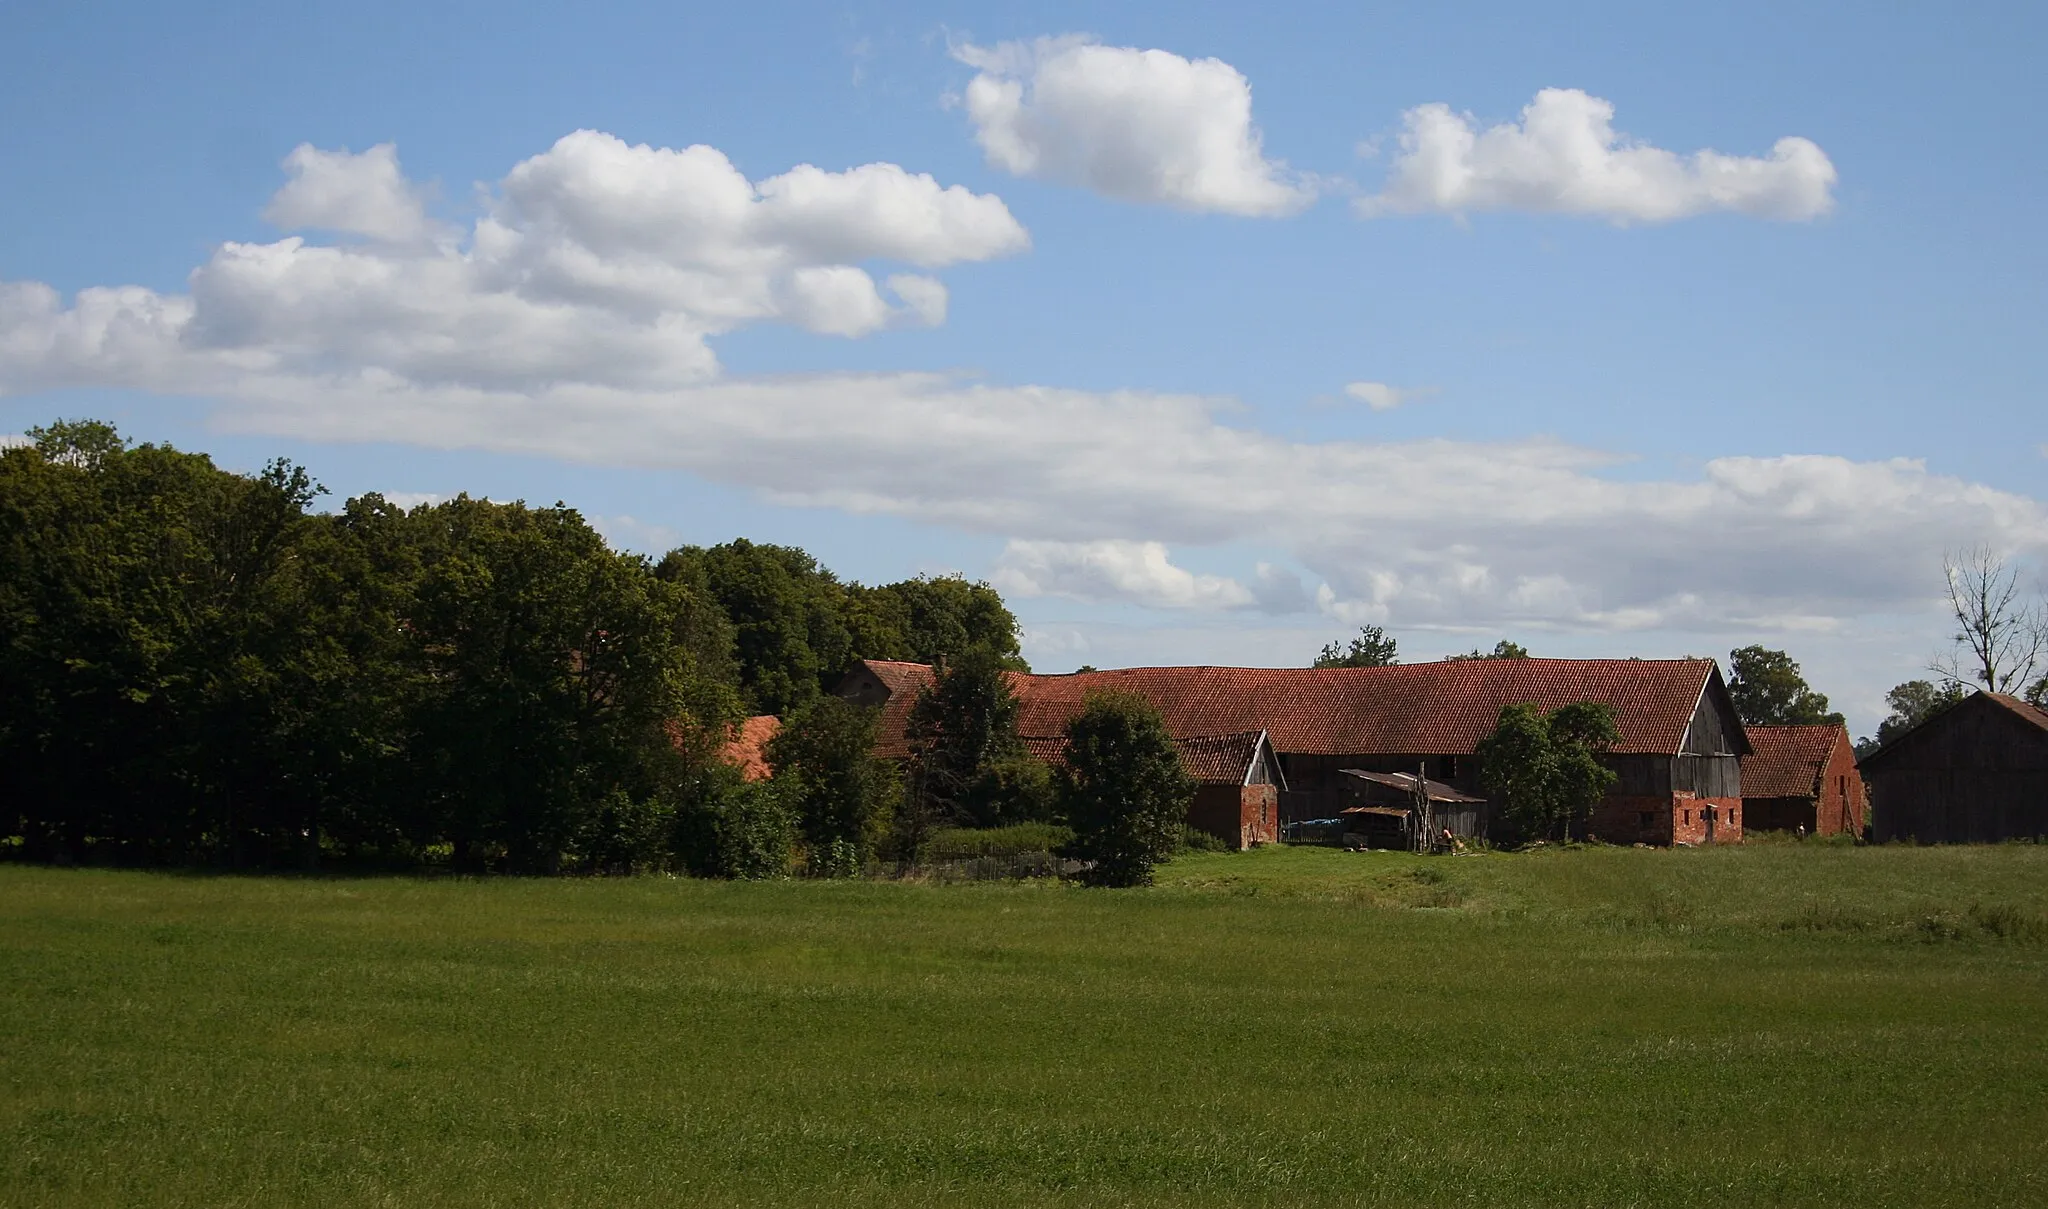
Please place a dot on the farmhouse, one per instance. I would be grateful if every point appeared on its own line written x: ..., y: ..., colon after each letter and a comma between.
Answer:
x: 1976, y: 772
x: 1801, y: 777
x: 1678, y: 759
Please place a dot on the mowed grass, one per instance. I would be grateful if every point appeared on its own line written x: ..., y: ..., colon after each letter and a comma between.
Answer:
x: 1782, y: 1024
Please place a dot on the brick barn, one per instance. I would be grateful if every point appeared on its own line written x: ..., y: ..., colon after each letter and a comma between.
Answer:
x: 1679, y: 758
x: 1974, y: 773
x: 1802, y: 776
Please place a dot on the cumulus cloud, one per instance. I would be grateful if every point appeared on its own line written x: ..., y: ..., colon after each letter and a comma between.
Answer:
x: 1564, y: 157
x: 354, y: 194
x: 1136, y: 125
x: 572, y: 321
x: 596, y: 262
x: 1112, y: 570
x: 1381, y: 397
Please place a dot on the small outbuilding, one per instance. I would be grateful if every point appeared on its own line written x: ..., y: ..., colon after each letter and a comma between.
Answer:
x: 1973, y: 773
x: 1389, y: 811
x: 1802, y: 778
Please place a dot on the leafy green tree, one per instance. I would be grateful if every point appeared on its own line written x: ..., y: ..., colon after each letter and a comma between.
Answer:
x: 1373, y: 647
x: 843, y: 795
x: 787, y: 613
x: 1504, y: 649
x: 968, y: 767
x: 1769, y: 690
x: 1544, y: 771
x: 1122, y: 788
x: 555, y: 676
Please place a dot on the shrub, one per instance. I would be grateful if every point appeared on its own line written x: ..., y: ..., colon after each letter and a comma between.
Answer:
x: 732, y: 827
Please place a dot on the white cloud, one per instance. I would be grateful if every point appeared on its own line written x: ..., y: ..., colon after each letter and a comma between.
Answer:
x: 409, y: 500
x: 1136, y: 125
x: 354, y: 194
x: 1564, y: 157
x: 1112, y: 570
x: 596, y: 262
x: 572, y: 324
x: 1381, y: 397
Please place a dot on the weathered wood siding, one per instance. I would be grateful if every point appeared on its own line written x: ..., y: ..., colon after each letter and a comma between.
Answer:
x: 1973, y: 774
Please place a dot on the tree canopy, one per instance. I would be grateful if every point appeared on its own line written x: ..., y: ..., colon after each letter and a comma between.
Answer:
x: 1769, y: 690
x: 1543, y: 771
x: 1122, y: 788
x: 202, y: 669
x: 1373, y: 647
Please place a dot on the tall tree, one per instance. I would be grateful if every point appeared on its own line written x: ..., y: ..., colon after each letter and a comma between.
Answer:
x: 1544, y: 770
x: 1373, y: 647
x: 787, y: 612
x: 1769, y: 690
x: 2001, y: 635
x: 965, y: 751
x: 842, y: 792
x: 1122, y: 788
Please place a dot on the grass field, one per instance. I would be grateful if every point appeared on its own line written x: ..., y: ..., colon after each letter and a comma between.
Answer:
x: 1773, y: 1024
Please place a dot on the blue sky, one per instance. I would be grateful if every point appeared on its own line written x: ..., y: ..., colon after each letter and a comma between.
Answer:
x: 1638, y: 405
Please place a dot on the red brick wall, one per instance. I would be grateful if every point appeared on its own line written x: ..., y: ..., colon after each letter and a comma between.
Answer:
x: 1679, y: 818
x: 1843, y: 804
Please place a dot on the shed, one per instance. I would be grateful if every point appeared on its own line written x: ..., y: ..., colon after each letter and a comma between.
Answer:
x: 1802, y: 777
x: 1449, y: 810
x: 1973, y: 773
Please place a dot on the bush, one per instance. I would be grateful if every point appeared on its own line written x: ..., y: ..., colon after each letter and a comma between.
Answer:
x: 732, y: 827
x: 969, y: 843
x: 1196, y: 840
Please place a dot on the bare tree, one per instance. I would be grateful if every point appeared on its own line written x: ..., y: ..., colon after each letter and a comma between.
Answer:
x: 2000, y: 635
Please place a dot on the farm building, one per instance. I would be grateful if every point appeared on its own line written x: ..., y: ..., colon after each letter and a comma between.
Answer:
x: 1974, y: 773
x: 1802, y: 777
x: 1679, y: 758
x: 1237, y: 783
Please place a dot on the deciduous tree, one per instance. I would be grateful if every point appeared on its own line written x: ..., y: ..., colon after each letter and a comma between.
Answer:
x: 1122, y: 788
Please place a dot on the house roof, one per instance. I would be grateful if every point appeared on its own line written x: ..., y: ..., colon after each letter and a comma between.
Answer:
x: 1209, y: 759
x: 1440, y: 708
x: 745, y: 746
x: 1789, y: 760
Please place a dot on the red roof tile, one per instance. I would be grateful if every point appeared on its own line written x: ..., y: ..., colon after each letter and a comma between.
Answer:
x: 1414, y: 709
x: 1788, y: 760
x: 745, y: 746
x: 1209, y: 759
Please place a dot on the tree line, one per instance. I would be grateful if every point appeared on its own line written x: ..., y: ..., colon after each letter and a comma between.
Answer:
x: 203, y: 668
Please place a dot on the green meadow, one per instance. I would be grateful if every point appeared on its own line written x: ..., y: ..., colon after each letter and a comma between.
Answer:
x: 1770, y: 1024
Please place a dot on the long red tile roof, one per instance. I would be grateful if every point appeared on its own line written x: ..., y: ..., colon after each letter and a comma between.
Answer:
x: 1413, y: 709
x: 1788, y: 760
x: 1209, y: 759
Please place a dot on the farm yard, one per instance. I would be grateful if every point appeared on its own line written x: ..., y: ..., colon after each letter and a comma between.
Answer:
x: 1774, y: 1023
